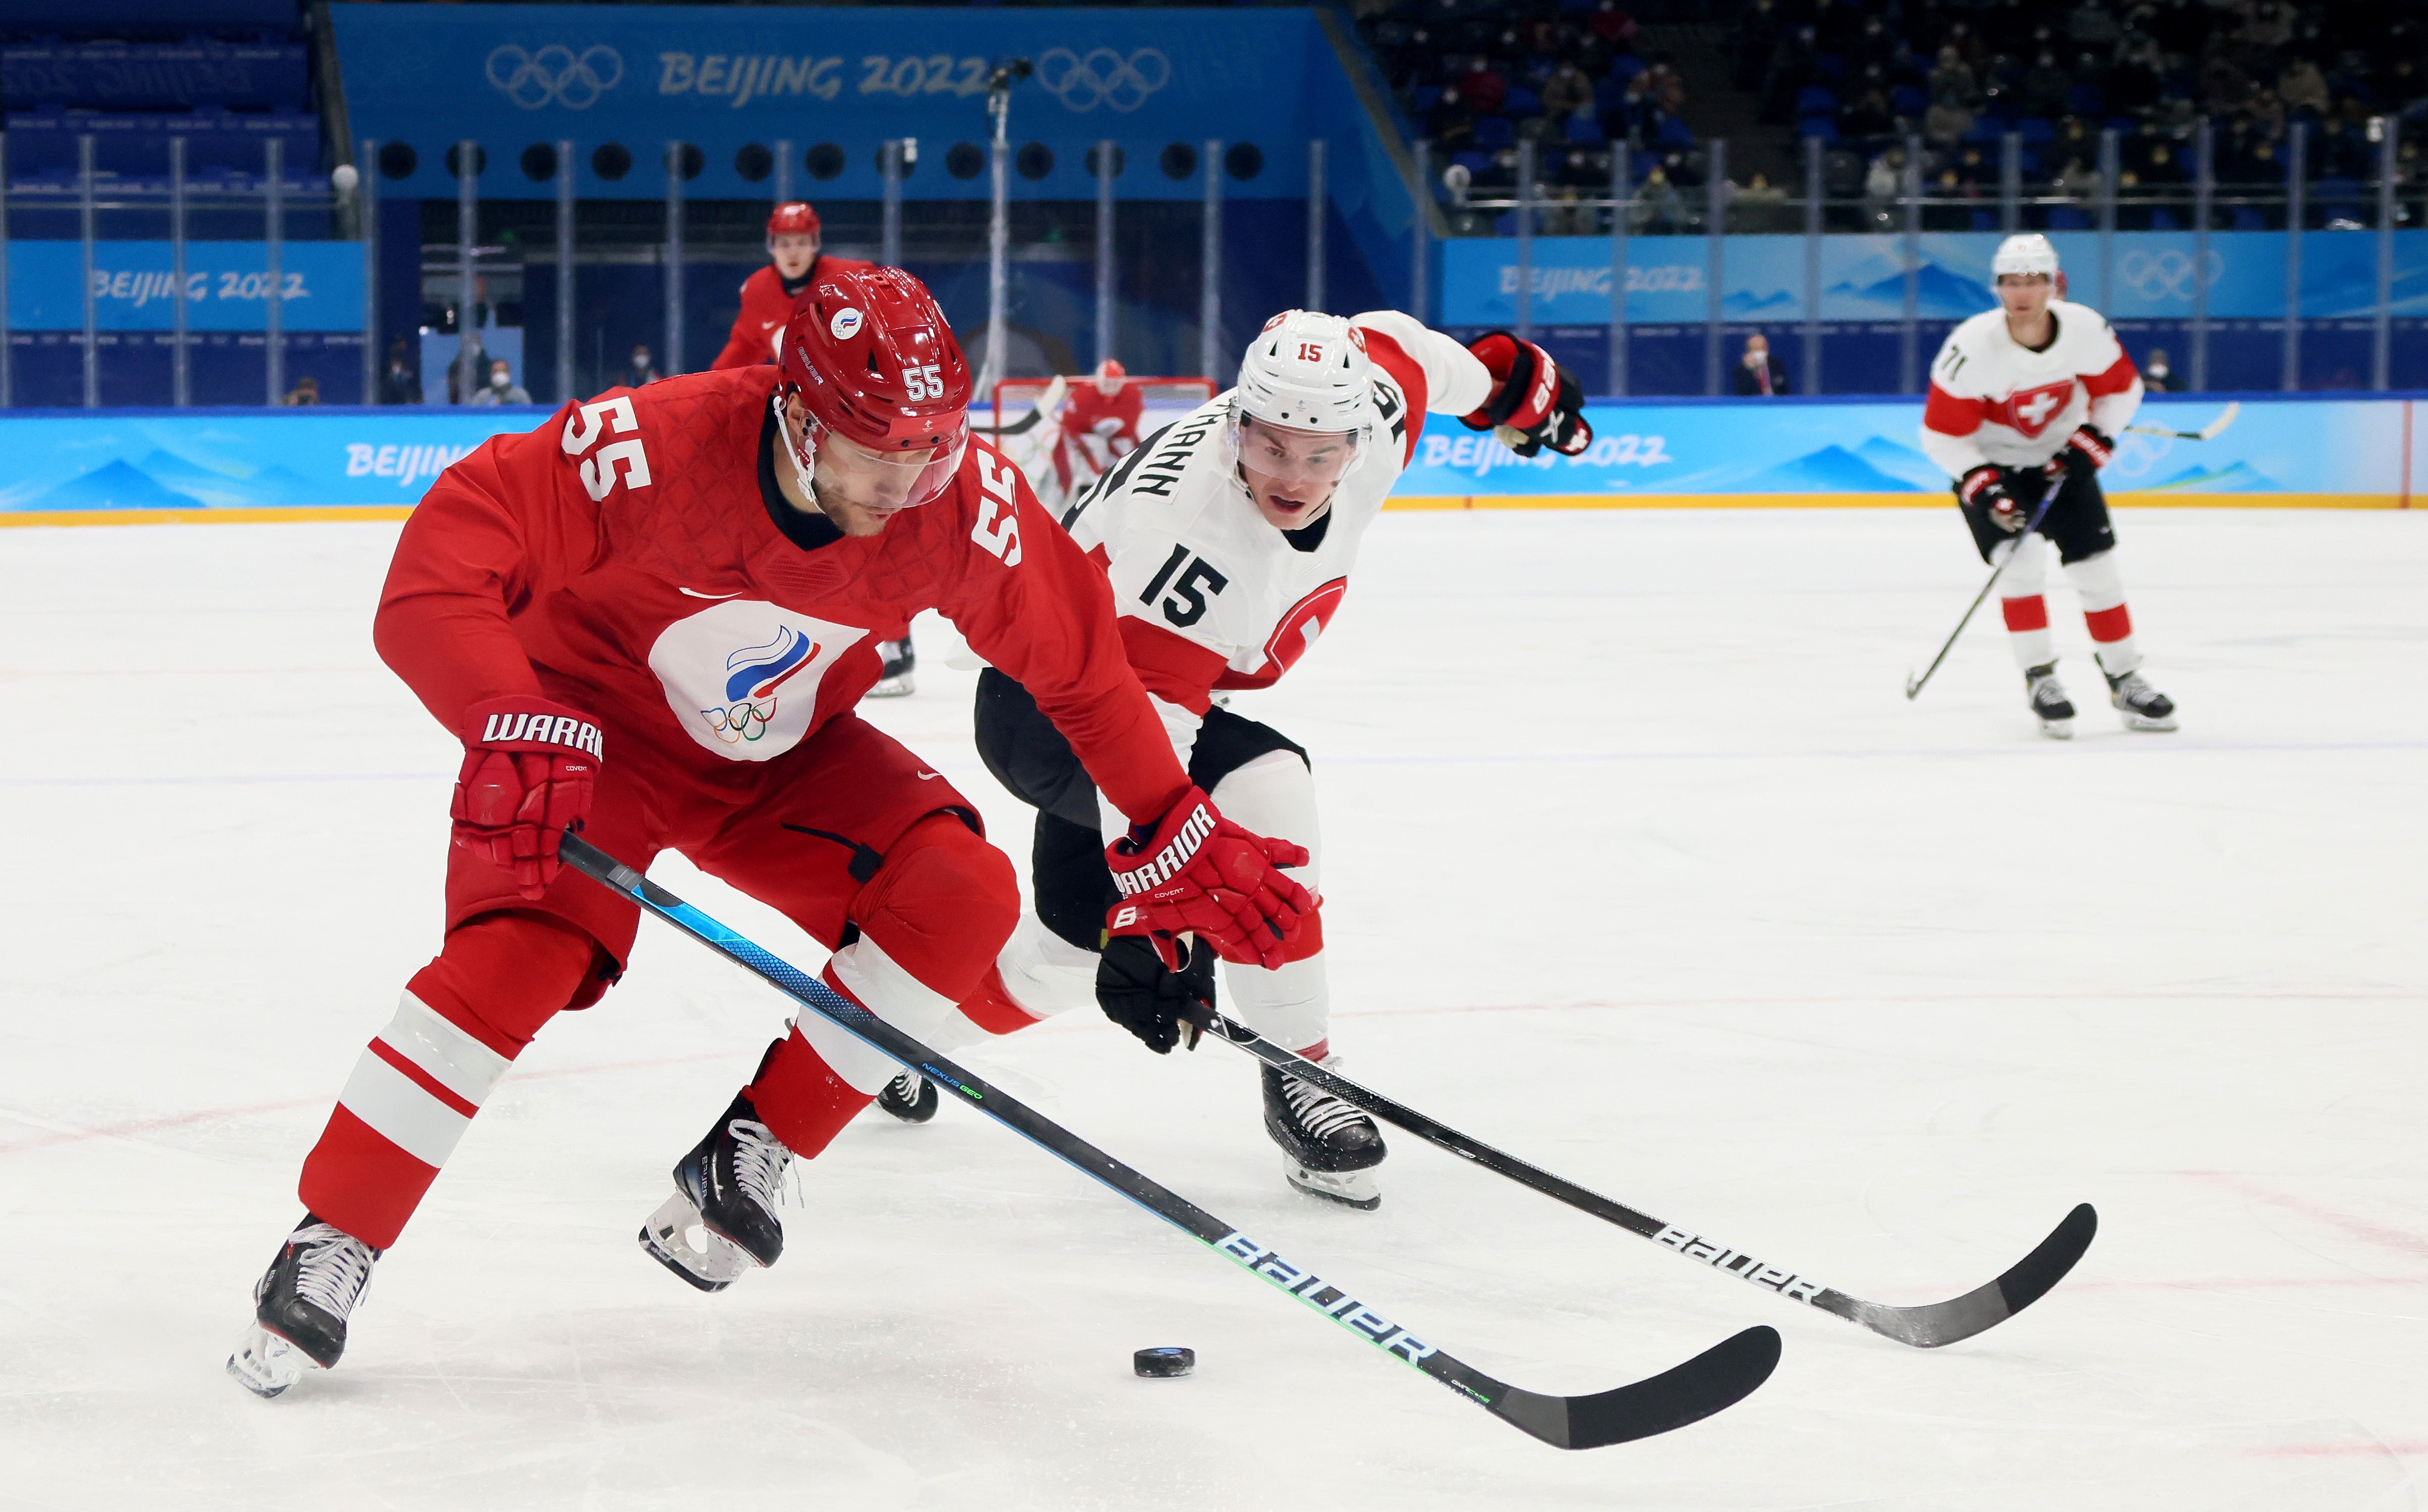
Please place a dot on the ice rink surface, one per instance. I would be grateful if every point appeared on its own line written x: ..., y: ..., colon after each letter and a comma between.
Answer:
x: 1639, y: 866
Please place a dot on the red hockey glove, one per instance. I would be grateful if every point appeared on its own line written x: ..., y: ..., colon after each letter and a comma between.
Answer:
x: 2088, y: 450
x: 1535, y: 402
x: 1985, y: 487
x: 529, y: 768
x: 1198, y: 872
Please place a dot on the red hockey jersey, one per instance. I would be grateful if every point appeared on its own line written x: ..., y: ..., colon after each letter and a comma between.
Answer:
x: 629, y: 551
x: 766, y: 305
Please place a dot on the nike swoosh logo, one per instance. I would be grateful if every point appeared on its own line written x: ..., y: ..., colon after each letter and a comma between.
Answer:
x: 735, y: 594
x: 929, y: 777
x: 769, y: 325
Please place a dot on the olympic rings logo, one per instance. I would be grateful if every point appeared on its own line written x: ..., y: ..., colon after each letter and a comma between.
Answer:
x: 556, y: 73
x: 1103, y: 77
x: 746, y: 720
x: 2166, y: 275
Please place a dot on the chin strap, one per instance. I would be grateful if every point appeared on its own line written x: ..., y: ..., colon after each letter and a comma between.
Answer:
x: 784, y: 444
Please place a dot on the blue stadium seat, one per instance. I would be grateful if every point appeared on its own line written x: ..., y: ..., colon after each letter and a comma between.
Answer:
x: 1474, y: 162
x: 2035, y: 128
x: 2069, y: 218
x: 1494, y: 132
x: 1824, y: 127
x: 1910, y: 99
x: 1675, y: 134
x: 1522, y: 102
x: 1584, y: 130
x: 2163, y: 219
x: 1422, y: 97
x: 1813, y: 100
x: 1626, y: 66
x: 2084, y: 100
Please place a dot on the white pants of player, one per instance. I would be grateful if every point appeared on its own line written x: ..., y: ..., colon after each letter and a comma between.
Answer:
x: 1291, y: 1005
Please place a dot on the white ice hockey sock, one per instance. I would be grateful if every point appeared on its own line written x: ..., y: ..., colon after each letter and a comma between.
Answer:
x: 2020, y: 601
x: 2102, y: 588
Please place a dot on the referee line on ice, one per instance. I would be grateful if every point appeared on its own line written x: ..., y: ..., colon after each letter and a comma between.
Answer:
x: 1446, y: 759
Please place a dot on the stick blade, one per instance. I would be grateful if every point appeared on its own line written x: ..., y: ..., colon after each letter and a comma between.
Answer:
x: 2217, y: 427
x: 1716, y: 1379
x: 1986, y: 1306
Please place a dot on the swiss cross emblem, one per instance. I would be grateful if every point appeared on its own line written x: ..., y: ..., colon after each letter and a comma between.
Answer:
x: 2029, y: 410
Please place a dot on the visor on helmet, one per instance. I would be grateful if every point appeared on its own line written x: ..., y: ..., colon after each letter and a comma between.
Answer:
x: 888, y: 480
x: 1293, y: 455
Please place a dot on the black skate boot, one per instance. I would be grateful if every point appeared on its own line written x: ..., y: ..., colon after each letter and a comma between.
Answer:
x: 897, y: 660
x: 910, y: 1097
x: 2056, y: 711
x: 1331, y: 1146
x: 725, y: 1188
x: 299, y: 1308
x: 2142, y: 706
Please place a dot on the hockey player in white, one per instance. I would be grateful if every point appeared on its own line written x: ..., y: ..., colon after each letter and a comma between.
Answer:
x: 1229, y: 537
x: 2024, y: 399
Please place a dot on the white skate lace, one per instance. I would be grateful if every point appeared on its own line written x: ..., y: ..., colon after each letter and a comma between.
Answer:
x: 760, y: 1162
x: 1316, y: 1110
x: 2133, y: 690
x: 333, y: 1269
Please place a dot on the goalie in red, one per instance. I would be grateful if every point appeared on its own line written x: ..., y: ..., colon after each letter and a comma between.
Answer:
x: 650, y: 620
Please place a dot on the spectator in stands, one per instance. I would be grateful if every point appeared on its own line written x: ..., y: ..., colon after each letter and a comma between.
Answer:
x: 2044, y: 86
x: 1946, y: 122
x: 2337, y: 153
x: 1613, y: 25
x: 1567, y: 92
x: 306, y: 391
x: 1871, y: 115
x: 1450, y: 123
x: 1760, y: 207
x: 2301, y: 86
x: 2156, y: 376
x: 1483, y: 84
x: 470, y: 369
x: 2092, y: 24
x: 642, y: 371
x: 1951, y: 80
x: 1658, y: 210
x: 1663, y: 88
x: 400, y: 384
x: 1759, y: 373
x: 502, y: 388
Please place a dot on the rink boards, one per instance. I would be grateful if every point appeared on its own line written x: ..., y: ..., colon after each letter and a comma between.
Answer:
x: 128, y: 466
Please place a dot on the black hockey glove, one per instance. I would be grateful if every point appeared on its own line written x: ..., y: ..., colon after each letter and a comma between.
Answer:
x: 1162, y: 1008
x: 1985, y: 488
x: 2088, y: 450
x: 1535, y: 402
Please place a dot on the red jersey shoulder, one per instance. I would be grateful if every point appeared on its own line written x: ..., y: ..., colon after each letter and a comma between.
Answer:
x: 1401, y: 401
x: 674, y: 466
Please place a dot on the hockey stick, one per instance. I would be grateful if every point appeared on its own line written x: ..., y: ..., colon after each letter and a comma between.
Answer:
x: 1718, y: 1378
x: 2207, y: 433
x: 1914, y: 686
x: 1925, y: 1327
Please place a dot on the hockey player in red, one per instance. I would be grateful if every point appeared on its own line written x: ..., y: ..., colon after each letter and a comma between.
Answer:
x: 2025, y: 399
x: 1098, y: 426
x: 793, y: 259
x: 650, y: 619
x: 1229, y: 537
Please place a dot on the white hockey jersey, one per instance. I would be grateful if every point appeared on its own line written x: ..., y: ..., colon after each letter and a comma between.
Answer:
x: 1210, y: 596
x: 1994, y: 400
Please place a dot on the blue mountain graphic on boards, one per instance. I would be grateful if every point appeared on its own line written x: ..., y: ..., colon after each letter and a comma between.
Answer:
x: 1940, y: 295
x: 1778, y: 302
x: 118, y: 484
x: 1832, y: 470
x: 1903, y: 463
x: 2235, y: 478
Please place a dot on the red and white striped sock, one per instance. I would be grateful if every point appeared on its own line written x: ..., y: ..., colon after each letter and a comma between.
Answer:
x: 2102, y: 588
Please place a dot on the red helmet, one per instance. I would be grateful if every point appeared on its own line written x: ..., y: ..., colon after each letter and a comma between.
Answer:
x: 792, y: 219
x: 1109, y: 375
x: 875, y: 364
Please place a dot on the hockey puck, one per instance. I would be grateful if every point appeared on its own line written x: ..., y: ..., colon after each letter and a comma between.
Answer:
x: 1167, y: 1362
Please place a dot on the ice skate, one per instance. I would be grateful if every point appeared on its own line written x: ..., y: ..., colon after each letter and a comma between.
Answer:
x: 2142, y: 706
x: 721, y: 1220
x: 2049, y: 702
x: 301, y: 1305
x: 1330, y: 1148
x: 910, y: 1097
x: 897, y: 659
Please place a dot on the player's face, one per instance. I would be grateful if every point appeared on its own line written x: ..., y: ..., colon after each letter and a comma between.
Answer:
x: 2025, y: 294
x: 1291, y: 474
x: 794, y: 252
x: 859, y: 490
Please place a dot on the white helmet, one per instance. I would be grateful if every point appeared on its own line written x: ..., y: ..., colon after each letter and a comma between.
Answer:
x: 1307, y: 372
x: 2030, y: 252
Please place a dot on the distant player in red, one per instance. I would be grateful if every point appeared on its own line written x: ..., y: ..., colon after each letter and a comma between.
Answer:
x: 769, y: 294
x: 650, y: 620
x: 1099, y: 425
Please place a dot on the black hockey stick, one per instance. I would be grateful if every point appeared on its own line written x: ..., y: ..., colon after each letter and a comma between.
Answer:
x: 1719, y: 1377
x: 1924, y: 1327
x: 1913, y: 684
